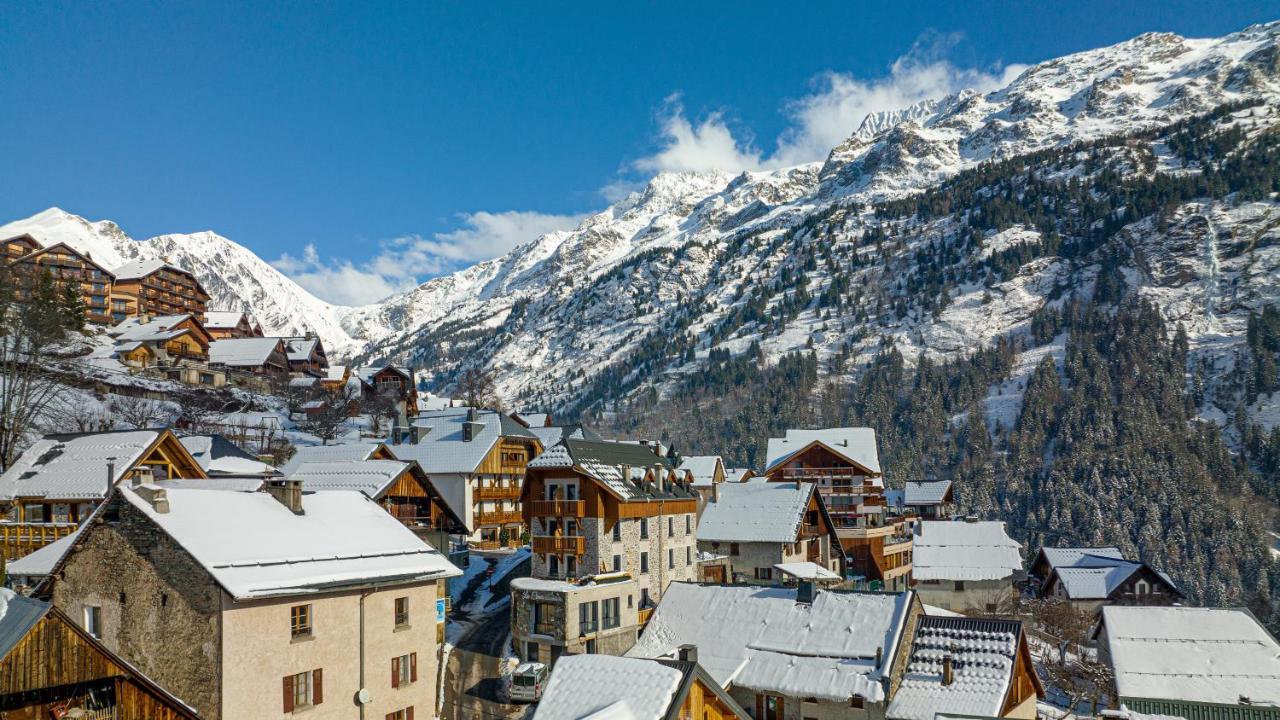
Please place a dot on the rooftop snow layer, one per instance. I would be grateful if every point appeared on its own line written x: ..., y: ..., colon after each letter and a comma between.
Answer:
x: 983, y: 652
x: 242, y: 352
x: 443, y: 450
x: 1072, y: 556
x: 219, y: 456
x: 960, y: 550
x: 702, y: 468
x: 805, y: 571
x: 755, y: 511
x: 254, y: 546
x: 926, y: 493
x: 223, y: 319
x: 343, y: 452
x: 370, y: 477
x: 855, y: 444
x: 1216, y: 655
x: 74, y: 467
x: 595, y: 686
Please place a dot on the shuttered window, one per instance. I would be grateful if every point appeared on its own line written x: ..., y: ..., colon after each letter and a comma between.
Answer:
x: 404, y: 670
x: 303, y: 690
x: 405, y: 714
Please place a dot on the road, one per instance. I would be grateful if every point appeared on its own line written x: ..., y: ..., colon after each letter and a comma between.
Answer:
x: 473, y: 676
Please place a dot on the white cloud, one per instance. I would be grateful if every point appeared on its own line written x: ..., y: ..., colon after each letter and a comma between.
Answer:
x: 821, y: 120
x: 401, y: 263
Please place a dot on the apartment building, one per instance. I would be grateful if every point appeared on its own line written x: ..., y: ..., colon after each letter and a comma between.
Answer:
x: 157, y: 288
x: 66, y: 266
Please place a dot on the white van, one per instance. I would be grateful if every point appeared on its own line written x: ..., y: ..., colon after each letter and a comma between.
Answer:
x: 528, y: 681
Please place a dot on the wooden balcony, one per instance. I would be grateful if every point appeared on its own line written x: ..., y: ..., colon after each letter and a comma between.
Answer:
x: 644, y: 614
x: 499, y: 517
x: 501, y: 492
x: 559, y: 508
x: 809, y: 531
x: 572, y: 544
x: 20, y: 539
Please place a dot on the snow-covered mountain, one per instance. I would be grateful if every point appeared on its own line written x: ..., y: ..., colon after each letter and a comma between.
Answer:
x: 640, y: 292
x: 235, y: 277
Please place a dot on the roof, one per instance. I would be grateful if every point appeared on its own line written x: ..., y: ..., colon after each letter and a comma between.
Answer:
x: 604, y: 686
x: 926, y: 493
x: 535, y: 419
x: 984, y: 653
x: 299, y: 349
x: 224, y: 318
x: 737, y: 474
x: 762, y: 639
x: 335, y: 373
x: 1095, y: 583
x: 550, y: 435
x: 219, y: 456
x: 1072, y: 556
x: 702, y: 467
x: 74, y: 467
x: 41, y: 562
x: 18, y: 615
x: 370, y: 477
x: 806, y: 571
x: 242, y: 352
x: 254, y: 546
x: 962, y: 550
x: 157, y: 329
x: 856, y: 444
x: 322, y: 453
x: 142, y: 268
x: 756, y: 511
x: 442, y: 450
x: 619, y: 467
x: 1216, y: 655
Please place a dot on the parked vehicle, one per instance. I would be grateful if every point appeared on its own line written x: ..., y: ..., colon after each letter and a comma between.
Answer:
x: 528, y: 682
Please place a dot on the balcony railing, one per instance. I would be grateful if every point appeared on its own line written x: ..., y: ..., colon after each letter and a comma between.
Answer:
x: 499, y: 492
x: 644, y: 614
x: 574, y: 544
x: 499, y: 517
x: 19, y: 539
x: 559, y: 508
x: 807, y: 473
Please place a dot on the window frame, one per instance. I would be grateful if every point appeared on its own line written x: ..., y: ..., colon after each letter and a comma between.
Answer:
x: 93, y: 621
x: 401, y: 610
x: 305, y: 628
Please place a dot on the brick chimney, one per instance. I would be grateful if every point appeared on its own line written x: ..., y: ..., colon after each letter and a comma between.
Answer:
x: 948, y: 670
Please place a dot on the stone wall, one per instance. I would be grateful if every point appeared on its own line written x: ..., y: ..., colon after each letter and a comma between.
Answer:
x: 961, y: 596
x: 159, y: 608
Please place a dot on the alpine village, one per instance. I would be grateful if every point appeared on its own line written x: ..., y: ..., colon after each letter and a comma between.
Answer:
x: 860, y: 481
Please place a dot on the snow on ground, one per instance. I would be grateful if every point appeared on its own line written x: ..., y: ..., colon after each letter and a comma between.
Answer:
x: 1003, y: 403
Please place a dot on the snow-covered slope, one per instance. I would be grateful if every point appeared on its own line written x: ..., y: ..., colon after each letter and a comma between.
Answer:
x: 235, y: 277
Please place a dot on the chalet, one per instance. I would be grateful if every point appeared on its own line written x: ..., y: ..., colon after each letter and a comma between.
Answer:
x: 401, y: 488
x: 306, y: 356
x: 50, y: 667
x: 533, y: 419
x: 552, y: 434
x: 158, y: 288
x: 264, y: 356
x: 923, y: 500
x: 477, y: 458
x: 738, y: 474
x: 60, y: 479
x: 1190, y: 662
x: 251, y: 599
x: 964, y: 564
x: 599, y: 686
x: 612, y: 526
x: 845, y: 464
x: 166, y: 341
x: 1089, y: 578
x: 66, y: 266
x: 336, y: 378
x: 223, y: 324
x: 221, y: 458
x: 759, y: 525
x: 342, y: 452
x: 17, y: 246
x: 704, y: 471
x: 394, y: 382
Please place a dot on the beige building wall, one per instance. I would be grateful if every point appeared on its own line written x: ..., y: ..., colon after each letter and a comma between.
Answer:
x: 950, y: 595
x: 259, y: 652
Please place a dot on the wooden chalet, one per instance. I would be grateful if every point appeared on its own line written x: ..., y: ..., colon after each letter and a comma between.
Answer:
x: 61, y: 479
x: 265, y: 356
x: 50, y: 667
x: 845, y: 464
x: 335, y: 378
x: 18, y: 246
x: 392, y: 381
x: 223, y: 324
x: 158, y: 288
x: 169, y: 341
x: 1089, y: 578
x: 66, y: 266
x: 306, y: 356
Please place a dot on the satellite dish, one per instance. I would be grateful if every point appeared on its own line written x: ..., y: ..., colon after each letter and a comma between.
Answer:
x: 362, y: 696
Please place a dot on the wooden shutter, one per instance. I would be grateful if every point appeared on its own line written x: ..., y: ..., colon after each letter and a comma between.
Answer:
x: 288, y: 693
x: 395, y: 672
x: 413, y: 667
x: 317, y: 686
x: 408, y: 713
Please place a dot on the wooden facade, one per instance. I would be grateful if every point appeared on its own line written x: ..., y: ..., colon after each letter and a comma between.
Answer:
x: 167, y: 290
x: 414, y: 501
x: 66, y: 266
x: 496, y: 490
x: 56, y: 668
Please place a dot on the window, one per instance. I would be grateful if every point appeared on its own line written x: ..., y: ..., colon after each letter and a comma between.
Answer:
x: 553, y: 565
x: 611, y: 615
x: 34, y: 513
x: 531, y: 652
x: 402, y: 612
x: 769, y: 707
x: 764, y: 573
x: 959, y: 586
x: 671, y: 558
x: 404, y: 670
x: 571, y: 566
x: 405, y: 714
x: 644, y: 528
x: 733, y: 549
x: 688, y: 556
x: 93, y: 621
x: 591, y: 646
x: 303, y: 690
x: 856, y: 702
x: 544, y: 618
x: 671, y: 526
x: 300, y: 621
x: 688, y: 524
x: 617, y: 563
x: 588, y: 617
x: 617, y: 531
x: 644, y: 562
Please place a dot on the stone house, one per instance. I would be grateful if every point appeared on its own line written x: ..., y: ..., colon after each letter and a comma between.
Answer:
x: 637, y: 688
x: 252, y: 604
x: 966, y: 564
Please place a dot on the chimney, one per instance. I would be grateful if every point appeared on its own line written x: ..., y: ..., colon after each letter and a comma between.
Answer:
x: 879, y: 654
x: 143, y: 475
x: 805, y: 592
x: 688, y: 653
x: 948, y: 671
x: 626, y: 473
x: 715, y: 492
x: 288, y: 492
x: 156, y: 496
x: 111, y: 474
x: 416, y: 433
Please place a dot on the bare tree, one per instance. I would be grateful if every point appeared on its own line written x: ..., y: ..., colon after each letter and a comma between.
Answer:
x: 477, y: 388
x: 139, y: 412
x: 201, y: 410
x: 327, y: 415
x: 68, y: 412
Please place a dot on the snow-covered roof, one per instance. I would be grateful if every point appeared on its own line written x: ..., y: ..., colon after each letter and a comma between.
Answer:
x: 74, y: 467
x: 1073, y: 556
x: 1216, y: 655
x: 926, y: 493
x: 619, y: 467
x: 299, y: 349
x: 157, y: 329
x: 142, y: 268
x: 442, y: 448
x: 1095, y: 583
x: 604, y: 686
x: 219, y: 456
x: 983, y: 653
x: 762, y: 639
x: 856, y: 444
x: 370, y: 477
x: 242, y: 352
x: 962, y: 550
x: 303, y: 382
x: 702, y: 468
x: 805, y: 571
x: 18, y: 615
x: 222, y: 319
x: 737, y: 474
x: 334, y: 373
x: 254, y: 546
x: 41, y: 562
x: 342, y: 452
x: 550, y: 435
x: 755, y: 511
x: 535, y: 419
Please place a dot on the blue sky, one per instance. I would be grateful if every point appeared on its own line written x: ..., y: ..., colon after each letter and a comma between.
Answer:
x: 366, y: 146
